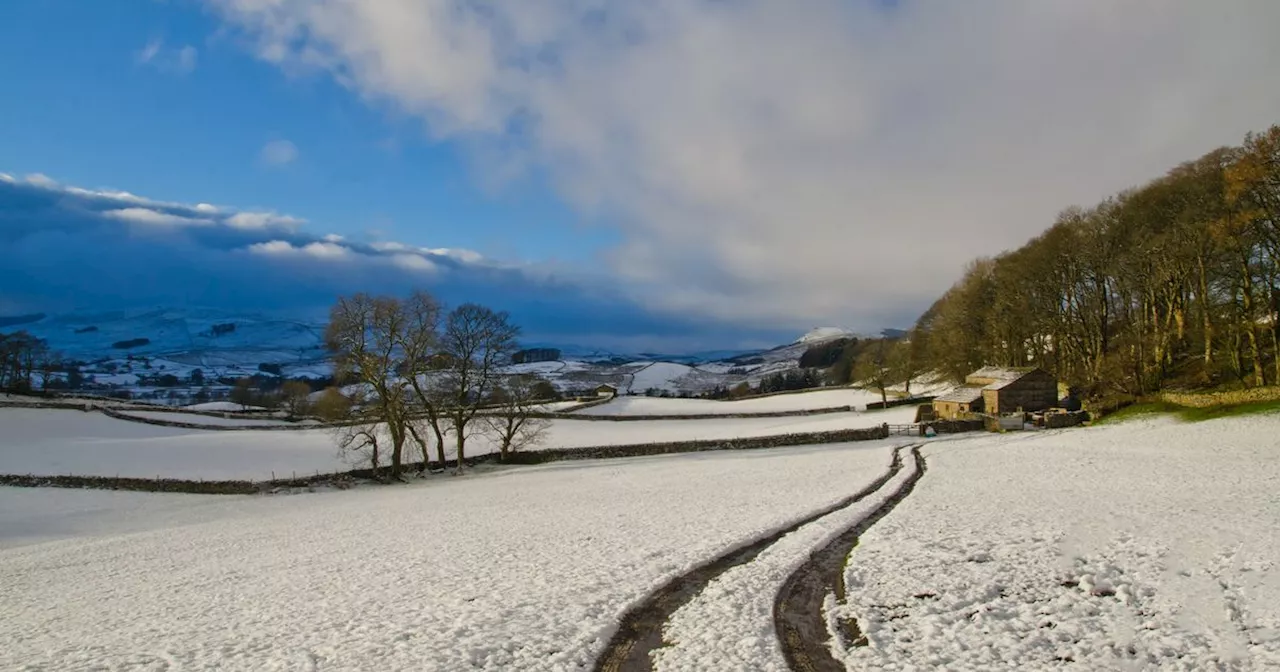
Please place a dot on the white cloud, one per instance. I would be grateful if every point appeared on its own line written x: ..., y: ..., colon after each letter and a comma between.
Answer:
x: 153, y: 217
x: 820, y: 161
x: 414, y: 262
x: 6, y: 177
x: 175, y: 61
x: 272, y: 247
x: 41, y: 180
x: 388, y: 246
x: 111, y: 194
x: 278, y: 153
x: 332, y: 238
x: 466, y: 256
x: 262, y: 220
x: 318, y: 250
x: 205, y: 207
x: 325, y: 250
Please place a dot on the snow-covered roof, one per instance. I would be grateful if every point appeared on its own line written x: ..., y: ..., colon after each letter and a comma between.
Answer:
x: 1001, y: 372
x: 962, y: 395
x: 1000, y: 376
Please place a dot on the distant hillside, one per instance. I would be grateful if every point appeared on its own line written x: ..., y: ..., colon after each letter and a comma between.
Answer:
x: 19, y: 320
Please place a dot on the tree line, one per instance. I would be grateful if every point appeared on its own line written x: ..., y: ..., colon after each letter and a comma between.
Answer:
x: 1173, y: 283
x: 426, y: 377
x: 24, y: 358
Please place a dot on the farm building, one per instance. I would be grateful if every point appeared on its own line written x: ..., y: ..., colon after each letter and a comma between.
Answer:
x: 606, y: 391
x: 958, y: 403
x: 995, y: 390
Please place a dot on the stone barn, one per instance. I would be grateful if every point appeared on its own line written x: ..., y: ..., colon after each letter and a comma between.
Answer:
x: 994, y: 390
x: 606, y: 391
x: 1008, y: 390
x: 958, y: 403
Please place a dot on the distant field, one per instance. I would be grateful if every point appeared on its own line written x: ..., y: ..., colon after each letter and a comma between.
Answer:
x: 59, y: 442
x: 801, y: 401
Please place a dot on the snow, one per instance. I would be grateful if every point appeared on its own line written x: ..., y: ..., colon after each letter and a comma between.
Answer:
x: 222, y: 406
x: 729, y: 625
x: 801, y: 401
x: 659, y: 375
x: 36, y: 515
x: 1147, y: 545
x: 525, y: 569
x: 57, y: 442
x: 821, y: 334
x: 208, y: 420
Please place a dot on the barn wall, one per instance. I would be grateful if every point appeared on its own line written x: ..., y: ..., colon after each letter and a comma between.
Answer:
x: 1035, y: 391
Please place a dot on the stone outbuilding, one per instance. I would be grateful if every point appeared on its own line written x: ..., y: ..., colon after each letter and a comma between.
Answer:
x: 606, y: 391
x: 958, y: 403
x: 994, y: 390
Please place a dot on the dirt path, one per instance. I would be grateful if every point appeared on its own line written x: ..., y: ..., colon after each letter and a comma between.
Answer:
x: 640, y: 631
x: 797, y: 611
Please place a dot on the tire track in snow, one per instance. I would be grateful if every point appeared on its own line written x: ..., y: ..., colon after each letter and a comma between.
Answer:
x: 640, y: 631
x: 798, y: 611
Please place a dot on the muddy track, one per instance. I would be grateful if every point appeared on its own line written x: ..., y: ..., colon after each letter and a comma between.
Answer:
x: 640, y: 631
x: 797, y: 611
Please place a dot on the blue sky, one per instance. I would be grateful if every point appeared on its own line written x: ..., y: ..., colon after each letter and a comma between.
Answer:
x: 91, y: 114
x: 672, y: 174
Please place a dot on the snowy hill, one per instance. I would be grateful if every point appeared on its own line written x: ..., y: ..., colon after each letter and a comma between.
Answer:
x: 824, y: 334
x: 122, y: 349
x: 195, y: 337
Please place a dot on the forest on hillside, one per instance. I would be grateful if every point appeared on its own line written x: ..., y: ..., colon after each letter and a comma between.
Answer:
x: 1175, y: 283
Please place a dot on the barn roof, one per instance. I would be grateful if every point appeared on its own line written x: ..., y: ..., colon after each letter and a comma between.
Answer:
x: 962, y: 395
x: 1000, y: 375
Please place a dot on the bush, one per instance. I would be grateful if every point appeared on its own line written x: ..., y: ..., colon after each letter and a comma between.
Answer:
x: 295, y: 395
x: 332, y: 405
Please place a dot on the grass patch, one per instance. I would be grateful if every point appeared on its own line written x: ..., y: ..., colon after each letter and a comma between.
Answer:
x: 1189, y: 413
x: 1229, y: 410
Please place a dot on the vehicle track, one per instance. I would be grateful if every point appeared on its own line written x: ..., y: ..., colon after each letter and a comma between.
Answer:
x: 797, y: 610
x: 640, y: 631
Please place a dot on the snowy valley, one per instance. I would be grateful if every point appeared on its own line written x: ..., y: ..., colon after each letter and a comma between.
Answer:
x: 1147, y: 544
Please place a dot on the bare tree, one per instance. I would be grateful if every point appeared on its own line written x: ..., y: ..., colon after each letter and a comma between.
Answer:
x: 332, y: 405
x: 365, y: 333
x: 515, y: 423
x: 360, y: 439
x: 242, y: 393
x: 20, y: 357
x: 296, y: 395
x: 477, y: 342
x: 420, y: 343
x: 873, y: 368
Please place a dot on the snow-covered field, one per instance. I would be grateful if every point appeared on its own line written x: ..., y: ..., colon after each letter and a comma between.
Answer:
x: 197, y: 419
x: 801, y: 401
x: 222, y: 406
x: 1148, y: 545
x: 522, y: 569
x: 59, y: 442
x: 729, y: 626
x: 55, y: 442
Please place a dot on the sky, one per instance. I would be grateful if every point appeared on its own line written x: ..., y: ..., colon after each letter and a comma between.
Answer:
x: 674, y: 174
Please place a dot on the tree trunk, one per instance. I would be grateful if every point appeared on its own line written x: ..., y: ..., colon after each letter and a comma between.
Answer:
x: 397, y: 452
x: 459, y: 426
x: 1207, y: 317
x: 435, y: 429
x: 1250, y: 321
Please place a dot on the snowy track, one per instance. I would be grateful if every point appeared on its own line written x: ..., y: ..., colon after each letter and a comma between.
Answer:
x: 801, y: 610
x: 680, y: 603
